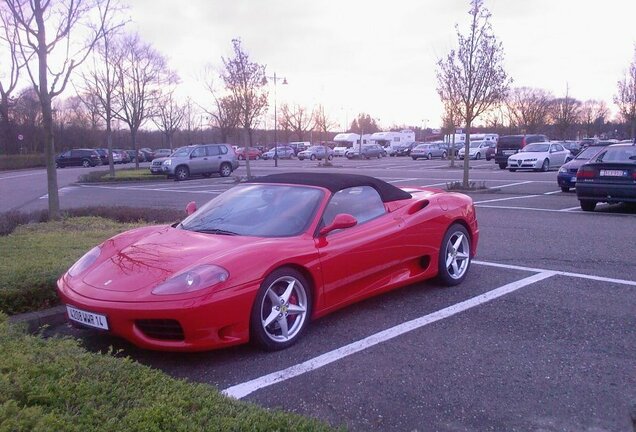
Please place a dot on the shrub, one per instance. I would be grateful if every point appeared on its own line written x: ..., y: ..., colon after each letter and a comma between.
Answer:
x: 55, y: 385
x: 11, y: 162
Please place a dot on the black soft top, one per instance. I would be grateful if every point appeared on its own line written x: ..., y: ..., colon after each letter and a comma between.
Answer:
x: 337, y: 181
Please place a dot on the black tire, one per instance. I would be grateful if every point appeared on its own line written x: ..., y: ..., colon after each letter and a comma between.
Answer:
x: 86, y: 163
x: 266, y: 336
x: 512, y: 170
x: 429, y: 156
x: 455, y: 235
x: 565, y: 189
x: 587, y: 206
x: 444, y: 155
x: 502, y: 166
x: 301, y: 158
x: 330, y: 157
x: 181, y: 173
x: 312, y: 157
x: 225, y: 170
x: 546, y: 165
x: 413, y: 157
x: 478, y: 156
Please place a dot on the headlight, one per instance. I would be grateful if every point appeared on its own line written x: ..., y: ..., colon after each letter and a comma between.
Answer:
x: 563, y: 170
x: 167, y: 162
x: 200, y: 277
x: 84, y: 262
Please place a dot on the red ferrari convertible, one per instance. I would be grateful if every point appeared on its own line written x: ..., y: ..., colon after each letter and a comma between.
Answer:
x: 264, y: 258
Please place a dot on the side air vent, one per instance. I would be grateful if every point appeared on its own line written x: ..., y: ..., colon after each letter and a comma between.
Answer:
x: 418, y: 206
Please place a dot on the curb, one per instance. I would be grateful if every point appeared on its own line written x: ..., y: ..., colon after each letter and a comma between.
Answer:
x: 33, y: 321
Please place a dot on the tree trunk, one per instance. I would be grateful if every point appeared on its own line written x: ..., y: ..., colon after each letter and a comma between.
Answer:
x: 466, y: 156
x: 247, y: 156
x: 452, y: 149
x: 134, y: 143
x: 109, y: 142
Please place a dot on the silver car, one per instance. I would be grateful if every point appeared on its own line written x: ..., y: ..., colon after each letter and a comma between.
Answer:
x: 428, y: 151
x: 200, y: 159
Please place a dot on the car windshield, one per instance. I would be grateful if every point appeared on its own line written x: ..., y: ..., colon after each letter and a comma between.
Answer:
x: 261, y: 210
x: 536, y: 148
x: 182, y: 152
x: 588, y: 153
x: 315, y: 148
x: 476, y: 144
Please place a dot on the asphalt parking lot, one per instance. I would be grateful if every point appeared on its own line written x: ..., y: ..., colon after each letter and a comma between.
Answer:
x: 540, y: 336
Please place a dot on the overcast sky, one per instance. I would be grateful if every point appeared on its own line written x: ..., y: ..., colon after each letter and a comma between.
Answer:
x: 379, y: 57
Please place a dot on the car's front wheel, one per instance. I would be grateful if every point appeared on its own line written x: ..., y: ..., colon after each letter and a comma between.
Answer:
x: 454, y: 256
x: 312, y: 157
x: 565, y: 189
x: 444, y: 155
x: 478, y: 156
x: 281, y: 310
x: 226, y: 170
x: 181, y: 173
x: 86, y: 163
x: 546, y: 165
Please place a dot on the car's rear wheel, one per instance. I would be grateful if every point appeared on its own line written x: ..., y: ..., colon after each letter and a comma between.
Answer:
x: 312, y: 157
x: 444, y: 155
x: 565, y: 189
x: 454, y: 256
x: 587, y: 205
x: 181, y: 173
x: 226, y: 170
x: 281, y: 310
x: 478, y: 156
x: 546, y: 165
x: 86, y: 163
x: 330, y: 157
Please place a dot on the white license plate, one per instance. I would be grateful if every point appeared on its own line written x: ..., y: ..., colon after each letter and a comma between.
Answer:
x: 87, y: 318
x: 612, y: 173
x: 573, y: 179
x: 509, y: 152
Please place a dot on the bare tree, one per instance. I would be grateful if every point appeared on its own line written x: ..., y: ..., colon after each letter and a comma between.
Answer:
x: 141, y: 72
x: 41, y: 27
x: 625, y: 98
x: 473, y: 77
x: 245, y: 80
x: 297, y: 119
x: 529, y: 108
x: 323, y: 124
x: 449, y: 123
x: 593, y: 115
x: 170, y: 116
x: 565, y: 113
x: 9, y: 74
x: 225, y: 112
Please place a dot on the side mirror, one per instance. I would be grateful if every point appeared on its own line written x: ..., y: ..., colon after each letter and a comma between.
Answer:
x: 191, y: 208
x: 341, y: 221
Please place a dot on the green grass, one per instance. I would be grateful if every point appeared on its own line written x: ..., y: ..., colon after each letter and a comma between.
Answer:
x: 55, y: 385
x: 12, y: 162
x: 129, y: 174
x: 34, y: 256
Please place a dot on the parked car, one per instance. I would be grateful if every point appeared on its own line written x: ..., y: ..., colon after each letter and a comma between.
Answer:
x: 140, y: 156
x: 315, y: 152
x: 78, y: 157
x: 366, y: 151
x: 156, y: 166
x: 123, y: 156
x: 510, y: 144
x: 282, y: 152
x: 428, y: 151
x: 404, y: 149
x: 251, y: 153
x: 340, y: 151
x: 200, y: 159
x: 539, y: 157
x: 610, y: 176
x: 573, y: 146
x: 160, y: 153
x: 478, y: 150
x: 566, y: 178
x: 262, y: 259
x: 103, y: 155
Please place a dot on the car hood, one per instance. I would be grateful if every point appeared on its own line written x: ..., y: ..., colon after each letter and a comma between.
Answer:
x: 128, y: 272
x: 529, y: 155
x: 575, y: 163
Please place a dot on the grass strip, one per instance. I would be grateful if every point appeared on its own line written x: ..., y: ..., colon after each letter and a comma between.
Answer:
x: 55, y: 385
x: 121, y: 175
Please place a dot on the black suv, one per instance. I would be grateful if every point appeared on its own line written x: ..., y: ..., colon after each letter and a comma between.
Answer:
x: 510, y: 144
x: 78, y: 157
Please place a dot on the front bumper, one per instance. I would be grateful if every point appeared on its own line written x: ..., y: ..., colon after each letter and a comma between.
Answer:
x: 566, y: 180
x: 211, y: 321
x: 514, y: 164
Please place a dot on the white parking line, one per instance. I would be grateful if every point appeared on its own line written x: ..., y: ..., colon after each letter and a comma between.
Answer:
x: 515, y: 184
x: 241, y: 390
x: 578, y: 207
x: 551, y: 193
x: 506, y: 199
x: 22, y: 175
x: 435, y: 184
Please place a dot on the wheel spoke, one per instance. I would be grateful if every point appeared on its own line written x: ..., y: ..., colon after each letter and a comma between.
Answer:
x: 462, y: 255
x: 455, y: 268
x: 458, y: 242
x: 273, y: 297
x: 283, y: 327
x: 295, y: 309
x: 449, y: 260
x: 270, y: 319
x: 288, y: 291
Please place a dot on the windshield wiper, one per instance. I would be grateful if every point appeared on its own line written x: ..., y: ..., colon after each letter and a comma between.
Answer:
x: 216, y: 231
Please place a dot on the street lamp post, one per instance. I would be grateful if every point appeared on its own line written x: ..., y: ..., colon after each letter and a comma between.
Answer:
x: 275, y: 79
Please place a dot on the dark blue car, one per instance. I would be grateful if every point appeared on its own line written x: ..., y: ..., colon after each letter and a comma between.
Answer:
x: 567, y: 173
